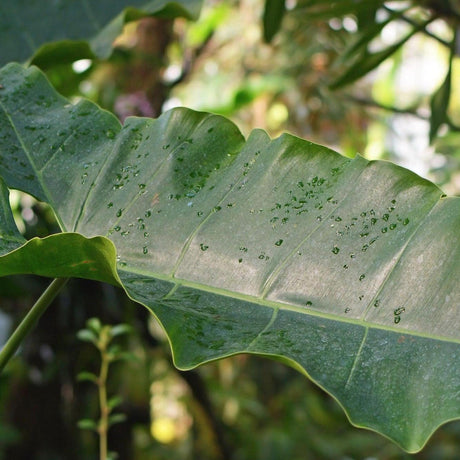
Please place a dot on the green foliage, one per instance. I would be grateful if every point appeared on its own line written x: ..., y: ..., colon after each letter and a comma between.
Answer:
x: 325, y: 255
x: 358, y: 58
x: 102, y: 336
x: 85, y: 30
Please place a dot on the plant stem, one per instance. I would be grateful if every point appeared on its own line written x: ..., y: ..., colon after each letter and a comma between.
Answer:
x: 102, y: 384
x: 30, y: 320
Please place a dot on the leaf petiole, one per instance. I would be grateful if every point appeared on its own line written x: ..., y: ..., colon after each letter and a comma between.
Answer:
x: 30, y: 320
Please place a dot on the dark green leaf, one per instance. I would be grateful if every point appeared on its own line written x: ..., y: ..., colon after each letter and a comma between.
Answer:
x: 440, y: 99
x: 343, y: 268
x: 273, y: 16
x: 88, y: 29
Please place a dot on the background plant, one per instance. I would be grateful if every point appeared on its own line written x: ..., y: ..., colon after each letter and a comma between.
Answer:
x: 102, y: 337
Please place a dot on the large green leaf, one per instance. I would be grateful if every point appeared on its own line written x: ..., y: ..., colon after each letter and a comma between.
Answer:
x: 85, y: 29
x: 346, y: 269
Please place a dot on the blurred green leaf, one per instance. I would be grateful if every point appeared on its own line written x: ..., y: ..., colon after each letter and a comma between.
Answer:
x: 114, y: 402
x: 95, y: 325
x: 87, y: 336
x: 367, y: 61
x: 324, y: 9
x: 87, y: 376
x: 86, y: 29
x: 273, y: 16
x: 116, y: 418
x: 440, y: 100
x: 120, y: 329
x: 87, y: 424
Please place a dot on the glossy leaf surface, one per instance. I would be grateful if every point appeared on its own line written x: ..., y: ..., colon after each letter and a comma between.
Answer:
x: 343, y: 268
x: 86, y: 29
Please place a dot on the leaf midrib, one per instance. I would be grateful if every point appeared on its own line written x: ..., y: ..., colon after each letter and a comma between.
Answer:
x: 180, y: 282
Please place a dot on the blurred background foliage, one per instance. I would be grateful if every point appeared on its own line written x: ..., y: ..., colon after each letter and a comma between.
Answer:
x: 374, y: 77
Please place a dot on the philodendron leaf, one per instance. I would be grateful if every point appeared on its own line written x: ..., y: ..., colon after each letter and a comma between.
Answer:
x: 86, y: 29
x: 346, y: 269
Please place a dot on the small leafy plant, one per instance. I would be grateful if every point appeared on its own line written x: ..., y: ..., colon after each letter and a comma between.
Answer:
x: 102, y: 337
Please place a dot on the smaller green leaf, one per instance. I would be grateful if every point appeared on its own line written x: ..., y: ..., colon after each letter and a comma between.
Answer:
x: 440, y: 99
x: 121, y: 329
x: 87, y: 336
x: 87, y: 376
x: 272, y: 18
x: 326, y: 9
x: 87, y: 424
x: 95, y: 325
x: 114, y: 402
x: 367, y: 61
x: 363, y: 38
x: 116, y: 418
x: 114, y: 350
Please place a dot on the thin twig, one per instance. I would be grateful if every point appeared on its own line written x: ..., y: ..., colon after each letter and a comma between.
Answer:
x: 30, y: 320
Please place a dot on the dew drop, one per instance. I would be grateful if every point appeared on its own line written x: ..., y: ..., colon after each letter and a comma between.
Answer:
x: 240, y: 260
x: 142, y: 186
x: 405, y: 221
x: 199, y: 213
x: 145, y: 249
x: 384, y: 229
x: 347, y: 310
x: 279, y: 243
x: 335, y: 250
x: 392, y: 226
x: 117, y: 228
x: 110, y: 205
x: 110, y: 134
x: 345, y: 267
x: 377, y: 303
x: 308, y: 303
x: 362, y: 277
x: 203, y: 247
x: 119, y: 212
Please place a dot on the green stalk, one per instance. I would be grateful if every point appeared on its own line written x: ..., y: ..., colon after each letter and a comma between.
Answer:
x: 28, y: 323
x: 104, y: 421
